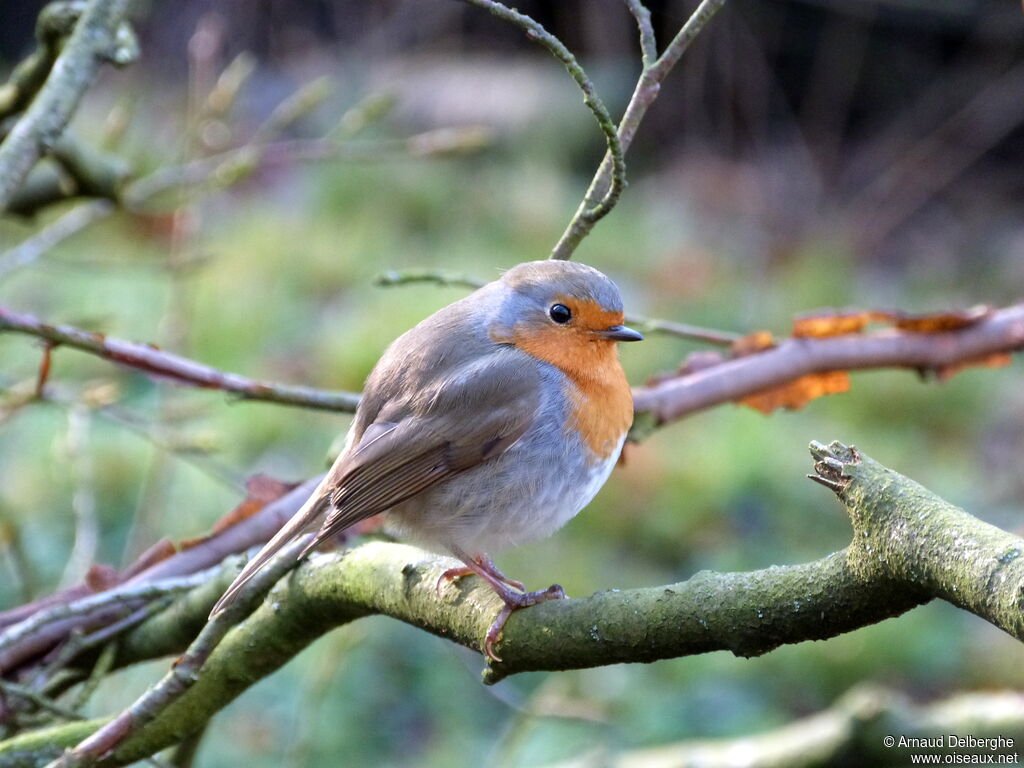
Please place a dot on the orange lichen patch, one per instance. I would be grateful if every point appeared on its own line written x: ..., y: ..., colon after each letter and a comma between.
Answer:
x: 758, y: 341
x: 940, y: 321
x: 994, y: 360
x: 835, y: 324
x: 797, y: 393
x: 838, y: 323
x: 260, y: 491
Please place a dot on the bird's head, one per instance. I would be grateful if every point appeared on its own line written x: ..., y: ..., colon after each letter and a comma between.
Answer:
x: 562, y: 312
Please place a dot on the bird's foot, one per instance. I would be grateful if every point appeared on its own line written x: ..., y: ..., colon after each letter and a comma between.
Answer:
x: 513, y: 602
x: 511, y: 592
x: 482, y: 566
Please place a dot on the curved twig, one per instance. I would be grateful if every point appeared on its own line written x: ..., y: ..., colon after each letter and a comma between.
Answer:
x: 646, y: 91
x: 1000, y: 331
x: 595, y: 206
x: 156, y: 362
x: 98, y: 37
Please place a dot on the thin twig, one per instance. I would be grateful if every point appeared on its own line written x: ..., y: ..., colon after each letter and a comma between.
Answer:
x: 127, y: 594
x: 394, y: 278
x: 229, y: 167
x: 185, y: 671
x: 596, y: 204
x: 648, y: 43
x: 644, y: 94
x: 38, y: 699
x: 78, y: 643
x: 104, y: 663
x: 70, y: 223
x: 153, y: 361
x: 83, y: 498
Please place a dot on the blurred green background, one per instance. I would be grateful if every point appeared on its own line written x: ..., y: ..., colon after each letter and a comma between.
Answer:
x: 273, y: 279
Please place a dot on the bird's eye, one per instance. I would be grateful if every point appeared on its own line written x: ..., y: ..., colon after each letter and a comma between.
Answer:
x: 560, y: 313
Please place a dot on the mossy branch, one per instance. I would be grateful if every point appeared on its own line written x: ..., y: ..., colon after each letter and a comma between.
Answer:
x: 99, y: 36
x: 909, y: 546
x: 853, y: 731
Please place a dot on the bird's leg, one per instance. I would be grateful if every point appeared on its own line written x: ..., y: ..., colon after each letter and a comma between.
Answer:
x: 504, y: 587
x: 483, y: 563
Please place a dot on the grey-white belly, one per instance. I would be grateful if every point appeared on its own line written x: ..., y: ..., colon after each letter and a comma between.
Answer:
x: 530, y: 491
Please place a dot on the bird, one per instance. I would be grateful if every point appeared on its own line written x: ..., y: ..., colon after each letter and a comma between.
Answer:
x: 490, y: 423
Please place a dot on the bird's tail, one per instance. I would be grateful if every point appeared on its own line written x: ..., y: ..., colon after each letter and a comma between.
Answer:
x: 300, y: 522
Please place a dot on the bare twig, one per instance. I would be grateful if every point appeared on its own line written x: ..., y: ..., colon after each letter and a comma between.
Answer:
x: 648, y: 43
x: 644, y: 94
x: 99, y: 36
x: 185, y: 671
x: 596, y: 203
x: 230, y: 166
x: 83, y: 499
x: 159, y: 579
x: 70, y: 223
x: 651, y: 325
x: 37, y: 699
x: 124, y: 595
x: 1001, y: 331
x: 156, y: 362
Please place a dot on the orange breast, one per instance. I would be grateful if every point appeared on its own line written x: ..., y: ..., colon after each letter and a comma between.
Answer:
x: 601, y: 401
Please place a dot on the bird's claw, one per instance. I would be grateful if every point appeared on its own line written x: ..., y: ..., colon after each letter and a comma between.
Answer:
x: 513, y: 602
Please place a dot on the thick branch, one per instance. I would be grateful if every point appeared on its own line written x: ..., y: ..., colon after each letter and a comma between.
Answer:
x: 156, y: 362
x: 853, y: 731
x: 1000, y: 331
x: 97, y: 38
x: 908, y: 547
x: 56, y: 21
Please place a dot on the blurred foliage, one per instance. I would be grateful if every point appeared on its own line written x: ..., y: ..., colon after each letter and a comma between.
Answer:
x: 274, y: 280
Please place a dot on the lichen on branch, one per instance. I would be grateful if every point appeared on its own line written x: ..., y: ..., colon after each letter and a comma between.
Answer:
x: 909, y: 546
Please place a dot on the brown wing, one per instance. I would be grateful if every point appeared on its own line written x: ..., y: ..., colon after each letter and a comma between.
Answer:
x: 470, y: 419
x: 464, y: 420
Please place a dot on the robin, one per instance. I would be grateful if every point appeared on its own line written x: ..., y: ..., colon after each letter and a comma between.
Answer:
x: 492, y: 422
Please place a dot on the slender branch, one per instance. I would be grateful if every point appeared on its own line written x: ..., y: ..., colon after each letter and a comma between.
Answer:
x: 394, y: 278
x: 37, y: 699
x: 726, y: 381
x: 71, y: 223
x: 185, y: 671
x: 210, y: 552
x: 153, y: 361
x: 648, y: 44
x: 853, y: 731
x: 1001, y: 331
x: 98, y: 37
x: 644, y: 94
x: 124, y: 595
x: 233, y: 165
x: 596, y: 204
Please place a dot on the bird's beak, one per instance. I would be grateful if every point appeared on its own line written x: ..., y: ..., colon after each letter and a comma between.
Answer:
x: 620, y: 333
